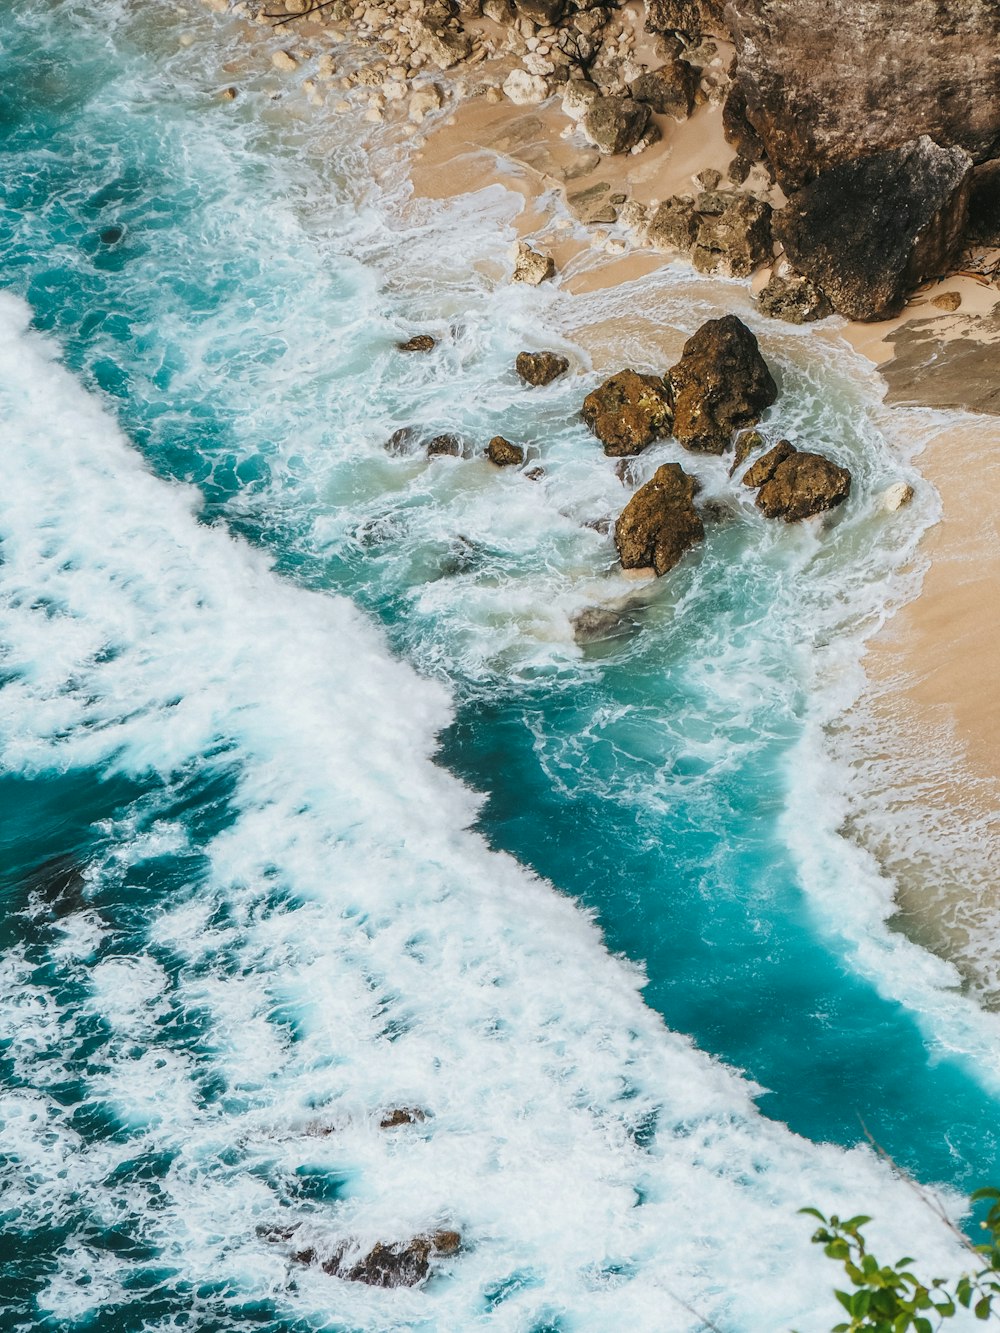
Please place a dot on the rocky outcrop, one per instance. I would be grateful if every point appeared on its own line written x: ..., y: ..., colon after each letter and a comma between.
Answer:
x: 540, y: 368
x: 504, y: 454
x: 628, y: 412
x: 734, y: 234
x: 401, y: 1115
x: 798, y: 485
x: 616, y: 124
x: 691, y: 17
x: 660, y: 522
x: 869, y: 230
x: 445, y: 446
x: 720, y: 383
x: 825, y: 82
x: 420, y: 342
x: 793, y: 298
x: 399, y: 1264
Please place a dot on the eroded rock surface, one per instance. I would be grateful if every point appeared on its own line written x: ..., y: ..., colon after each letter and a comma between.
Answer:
x: 735, y: 239
x: 794, y: 298
x: 660, y: 522
x: 869, y: 230
x: 504, y: 454
x: 616, y: 124
x: 628, y: 412
x: 720, y: 383
x: 824, y: 83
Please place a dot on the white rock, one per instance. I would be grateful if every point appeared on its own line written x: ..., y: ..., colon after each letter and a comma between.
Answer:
x: 423, y: 102
x: 525, y: 89
x: 897, y: 495
x: 578, y: 98
x: 531, y: 266
x: 538, y: 64
x: 284, y: 60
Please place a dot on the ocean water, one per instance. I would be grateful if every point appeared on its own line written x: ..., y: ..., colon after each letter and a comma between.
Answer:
x: 313, y: 807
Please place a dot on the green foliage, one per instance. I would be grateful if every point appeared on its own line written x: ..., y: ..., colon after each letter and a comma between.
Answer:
x: 890, y: 1298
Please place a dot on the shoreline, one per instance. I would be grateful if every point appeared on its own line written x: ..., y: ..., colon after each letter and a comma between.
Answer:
x: 926, y: 706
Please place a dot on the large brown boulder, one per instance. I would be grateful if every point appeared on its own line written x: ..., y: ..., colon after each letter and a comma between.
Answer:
x: 767, y: 465
x: 669, y: 91
x: 801, y: 485
x: 869, y: 230
x: 628, y: 412
x: 721, y: 382
x: 826, y: 82
x: 660, y: 522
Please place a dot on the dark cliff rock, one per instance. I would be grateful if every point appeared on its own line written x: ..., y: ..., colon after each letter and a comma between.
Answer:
x: 660, y: 522
x: 628, y: 412
x: 824, y: 83
x: 869, y: 230
x: 721, y: 382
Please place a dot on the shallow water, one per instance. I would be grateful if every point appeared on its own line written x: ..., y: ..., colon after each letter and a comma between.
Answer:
x: 243, y: 903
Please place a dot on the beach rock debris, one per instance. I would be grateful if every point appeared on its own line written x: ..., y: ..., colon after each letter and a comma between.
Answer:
x: 721, y: 382
x: 540, y: 368
x: 734, y: 234
x: 660, y: 522
x: 795, y: 485
x: 628, y: 412
x: 420, y: 342
x: 503, y: 453
x: 616, y: 124
x: 793, y: 298
x: 669, y: 91
x: 531, y: 266
x: 868, y: 231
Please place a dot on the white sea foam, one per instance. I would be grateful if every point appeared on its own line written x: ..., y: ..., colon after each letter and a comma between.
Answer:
x: 421, y: 969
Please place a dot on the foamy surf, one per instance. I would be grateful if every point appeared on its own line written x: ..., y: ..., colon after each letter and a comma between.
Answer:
x: 343, y: 946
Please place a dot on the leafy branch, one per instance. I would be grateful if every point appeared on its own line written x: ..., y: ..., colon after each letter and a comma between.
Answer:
x: 891, y: 1298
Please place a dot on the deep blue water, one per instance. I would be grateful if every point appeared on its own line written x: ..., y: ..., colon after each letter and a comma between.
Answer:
x: 238, y: 320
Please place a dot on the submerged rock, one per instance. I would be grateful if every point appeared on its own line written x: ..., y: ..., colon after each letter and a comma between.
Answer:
x: 616, y: 124
x: 721, y: 382
x: 393, y: 1264
x: 445, y: 446
x: 660, y: 522
x: 628, y: 412
x: 869, y: 230
x: 402, y: 1115
x: 503, y: 453
x: 540, y: 368
x: 793, y: 298
x: 594, y: 624
x: 420, y: 342
x: 802, y: 485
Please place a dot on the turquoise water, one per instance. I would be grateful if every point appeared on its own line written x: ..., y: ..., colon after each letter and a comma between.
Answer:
x: 240, y: 899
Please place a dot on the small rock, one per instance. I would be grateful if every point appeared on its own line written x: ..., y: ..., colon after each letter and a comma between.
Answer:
x: 503, y: 453
x: 227, y: 94
x: 803, y: 485
x: 721, y: 382
x: 540, y: 368
x: 764, y: 468
x: 534, y: 473
x: 748, y: 442
x: 401, y: 442
x: 284, y: 60
x: 445, y: 446
x: 793, y: 298
x: 578, y: 97
x: 739, y: 169
x: 709, y: 178
x: 673, y: 226
x: 402, y: 1115
x: 531, y: 266
x: 949, y: 301
x: 499, y: 11
x: 112, y: 235
x: 897, y: 495
x: 525, y: 89
x: 628, y: 412
x: 735, y: 241
x: 420, y: 342
x: 660, y: 522
x: 423, y: 102
x: 616, y: 124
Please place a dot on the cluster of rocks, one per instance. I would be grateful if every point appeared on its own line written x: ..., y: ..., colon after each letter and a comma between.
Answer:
x: 720, y: 384
x: 385, y: 1264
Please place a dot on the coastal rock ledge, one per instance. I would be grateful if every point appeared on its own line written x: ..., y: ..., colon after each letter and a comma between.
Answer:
x: 660, y: 522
